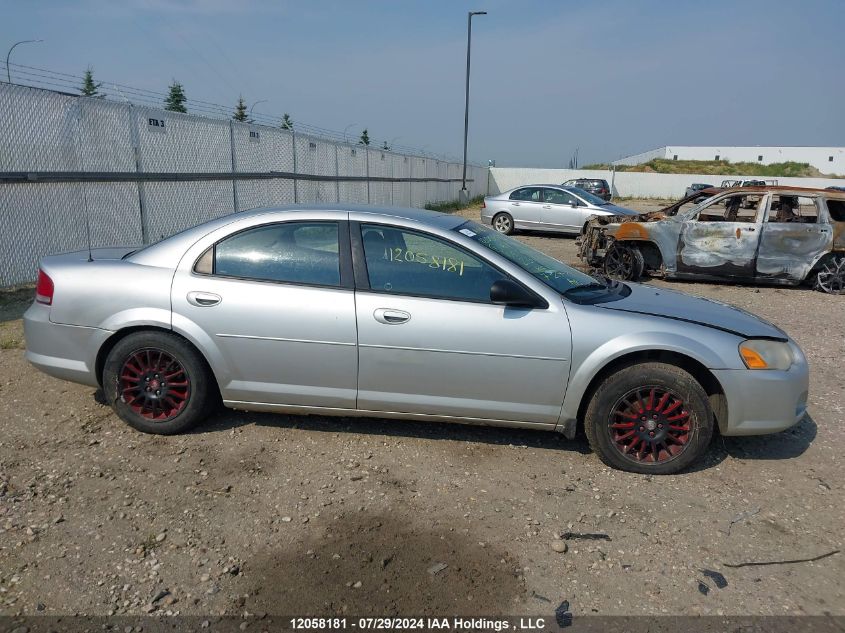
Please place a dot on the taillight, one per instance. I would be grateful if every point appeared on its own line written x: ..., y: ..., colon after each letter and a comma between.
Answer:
x: 44, y: 289
x: 483, y: 204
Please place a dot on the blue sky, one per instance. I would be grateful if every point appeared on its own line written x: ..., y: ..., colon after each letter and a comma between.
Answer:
x: 611, y: 77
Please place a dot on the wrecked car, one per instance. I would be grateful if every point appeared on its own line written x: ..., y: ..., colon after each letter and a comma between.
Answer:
x: 789, y: 235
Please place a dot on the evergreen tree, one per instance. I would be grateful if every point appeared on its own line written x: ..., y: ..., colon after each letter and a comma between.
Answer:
x: 287, y: 122
x: 240, y: 110
x: 176, y: 98
x: 89, y: 87
x: 365, y: 138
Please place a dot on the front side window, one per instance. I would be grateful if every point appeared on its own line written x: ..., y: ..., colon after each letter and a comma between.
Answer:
x: 738, y: 207
x: 400, y: 261
x: 556, y: 196
x: 591, y: 198
x: 294, y: 252
x: 527, y: 194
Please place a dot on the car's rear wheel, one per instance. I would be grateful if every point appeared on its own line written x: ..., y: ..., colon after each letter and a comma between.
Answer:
x: 650, y: 418
x: 503, y: 223
x: 830, y: 277
x: 623, y: 261
x: 158, y: 383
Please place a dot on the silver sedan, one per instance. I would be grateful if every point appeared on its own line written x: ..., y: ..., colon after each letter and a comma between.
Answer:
x: 554, y: 208
x: 407, y: 314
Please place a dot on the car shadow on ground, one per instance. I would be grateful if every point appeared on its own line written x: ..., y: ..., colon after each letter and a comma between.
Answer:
x: 787, y: 444
x: 225, y: 420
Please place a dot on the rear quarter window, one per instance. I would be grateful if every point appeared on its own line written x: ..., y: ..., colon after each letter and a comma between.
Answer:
x: 836, y: 209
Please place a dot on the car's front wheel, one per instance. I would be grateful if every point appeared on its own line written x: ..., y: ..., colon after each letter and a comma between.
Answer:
x: 651, y: 418
x: 158, y: 383
x: 503, y: 223
x: 623, y: 261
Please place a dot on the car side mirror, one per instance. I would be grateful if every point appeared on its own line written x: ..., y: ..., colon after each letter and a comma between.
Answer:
x: 573, y: 204
x: 509, y: 293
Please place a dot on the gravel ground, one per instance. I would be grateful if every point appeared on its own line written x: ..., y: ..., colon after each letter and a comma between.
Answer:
x: 256, y: 513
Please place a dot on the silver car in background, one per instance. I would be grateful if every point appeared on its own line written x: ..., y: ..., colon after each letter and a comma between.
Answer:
x: 556, y: 208
x: 407, y: 314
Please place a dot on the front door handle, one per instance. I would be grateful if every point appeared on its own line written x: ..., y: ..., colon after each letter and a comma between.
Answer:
x: 516, y: 204
x: 391, y: 317
x: 547, y: 206
x: 204, y: 299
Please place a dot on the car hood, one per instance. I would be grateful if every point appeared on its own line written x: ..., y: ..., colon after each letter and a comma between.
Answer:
x: 616, y: 210
x: 707, y: 312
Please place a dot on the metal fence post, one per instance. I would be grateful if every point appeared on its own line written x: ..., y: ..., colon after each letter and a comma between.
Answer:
x: 234, y: 166
x: 293, y: 149
x: 410, y: 182
x: 135, y: 137
x: 367, y: 155
x: 336, y: 173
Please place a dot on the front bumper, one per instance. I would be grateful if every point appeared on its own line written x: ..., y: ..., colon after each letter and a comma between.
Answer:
x: 764, y: 401
x: 68, y: 352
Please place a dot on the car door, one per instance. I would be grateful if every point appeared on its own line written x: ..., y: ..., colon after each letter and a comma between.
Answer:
x: 721, y: 240
x: 794, y: 235
x: 432, y: 343
x: 561, y: 211
x: 525, y: 206
x: 273, y: 306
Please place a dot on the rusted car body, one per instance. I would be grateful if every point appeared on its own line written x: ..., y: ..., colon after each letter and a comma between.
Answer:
x: 789, y: 235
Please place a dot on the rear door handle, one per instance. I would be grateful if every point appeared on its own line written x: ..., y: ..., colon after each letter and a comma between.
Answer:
x: 204, y: 299
x: 547, y: 206
x: 391, y: 317
x: 516, y: 204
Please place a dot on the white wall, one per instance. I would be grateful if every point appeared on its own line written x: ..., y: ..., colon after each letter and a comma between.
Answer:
x: 630, y: 184
x: 818, y: 157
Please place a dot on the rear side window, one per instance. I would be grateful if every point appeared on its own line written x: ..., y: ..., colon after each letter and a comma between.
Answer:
x: 528, y: 194
x: 293, y: 252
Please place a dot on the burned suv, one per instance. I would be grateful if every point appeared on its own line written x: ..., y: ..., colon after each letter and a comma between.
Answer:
x: 789, y: 235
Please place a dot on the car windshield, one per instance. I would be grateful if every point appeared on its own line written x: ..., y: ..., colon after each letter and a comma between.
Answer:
x: 550, y: 271
x: 588, y: 197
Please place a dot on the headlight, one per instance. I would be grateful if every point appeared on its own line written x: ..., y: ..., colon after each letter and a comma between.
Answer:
x: 763, y: 354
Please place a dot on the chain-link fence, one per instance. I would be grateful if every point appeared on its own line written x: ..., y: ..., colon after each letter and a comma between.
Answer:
x: 131, y: 174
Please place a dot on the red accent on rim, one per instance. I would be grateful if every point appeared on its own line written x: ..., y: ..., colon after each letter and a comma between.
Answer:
x: 154, y: 384
x: 650, y: 425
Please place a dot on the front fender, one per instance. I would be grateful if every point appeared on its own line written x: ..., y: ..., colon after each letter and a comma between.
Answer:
x: 630, y: 344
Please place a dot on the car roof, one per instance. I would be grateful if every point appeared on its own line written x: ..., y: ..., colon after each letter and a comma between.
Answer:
x: 789, y: 189
x: 173, y: 246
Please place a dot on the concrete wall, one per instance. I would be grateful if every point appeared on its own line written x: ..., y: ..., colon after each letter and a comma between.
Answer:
x: 629, y: 184
x: 818, y: 157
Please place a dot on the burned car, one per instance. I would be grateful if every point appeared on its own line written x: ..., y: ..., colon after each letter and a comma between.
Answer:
x: 789, y: 235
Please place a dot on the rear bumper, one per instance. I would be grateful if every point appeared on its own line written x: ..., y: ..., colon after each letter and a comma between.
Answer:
x: 764, y: 401
x: 68, y: 352
x: 486, y: 216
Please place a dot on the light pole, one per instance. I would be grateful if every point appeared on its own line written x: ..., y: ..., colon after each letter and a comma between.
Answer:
x: 8, y: 73
x: 464, y: 195
x: 346, y: 140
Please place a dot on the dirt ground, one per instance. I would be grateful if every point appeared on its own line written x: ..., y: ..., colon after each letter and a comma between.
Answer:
x: 262, y: 513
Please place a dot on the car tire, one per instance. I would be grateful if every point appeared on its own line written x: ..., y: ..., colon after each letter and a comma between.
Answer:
x: 158, y: 383
x: 649, y: 418
x: 830, y: 277
x: 624, y: 262
x: 503, y: 223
